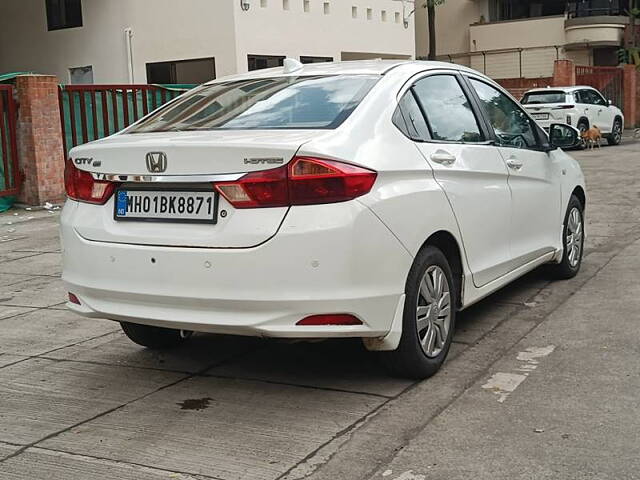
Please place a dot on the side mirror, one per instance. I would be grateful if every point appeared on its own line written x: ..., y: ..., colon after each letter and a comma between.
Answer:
x: 610, y: 102
x: 564, y: 136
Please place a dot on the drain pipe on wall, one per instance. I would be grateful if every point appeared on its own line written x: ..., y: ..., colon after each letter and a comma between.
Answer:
x: 128, y: 38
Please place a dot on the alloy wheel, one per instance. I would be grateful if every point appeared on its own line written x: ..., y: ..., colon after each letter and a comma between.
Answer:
x: 574, y: 237
x: 617, y: 132
x: 433, y: 312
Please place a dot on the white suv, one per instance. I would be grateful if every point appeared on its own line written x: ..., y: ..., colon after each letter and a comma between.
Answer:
x: 582, y: 107
x: 360, y: 199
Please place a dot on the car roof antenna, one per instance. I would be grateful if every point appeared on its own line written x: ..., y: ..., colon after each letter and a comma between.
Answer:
x: 292, y: 65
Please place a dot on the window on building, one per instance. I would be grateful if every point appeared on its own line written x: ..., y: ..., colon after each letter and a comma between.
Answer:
x: 64, y: 14
x: 327, y: 8
x: 81, y: 75
x: 398, y: 19
x: 306, y: 59
x: 354, y: 12
x: 369, y: 13
x: 306, y: 6
x: 263, y: 3
x: 285, y: 4
x: 383, y: 15
x: 195, y: 71
x: 258, y: 62
x: 500, y: 10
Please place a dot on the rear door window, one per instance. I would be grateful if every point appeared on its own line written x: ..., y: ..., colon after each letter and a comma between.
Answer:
x: 316, y: 102
x: 447, y: 108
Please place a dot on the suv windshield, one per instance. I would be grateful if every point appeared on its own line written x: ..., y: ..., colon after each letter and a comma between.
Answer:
x: 319, y: 102
x: 544, y: 97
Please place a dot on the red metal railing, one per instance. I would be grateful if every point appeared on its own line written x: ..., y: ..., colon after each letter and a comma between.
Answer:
x: 9, y: 170
x: 609, y: 80
x: 91, y: 112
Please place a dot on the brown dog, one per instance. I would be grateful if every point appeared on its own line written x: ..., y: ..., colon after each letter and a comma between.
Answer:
x: 592, y: 137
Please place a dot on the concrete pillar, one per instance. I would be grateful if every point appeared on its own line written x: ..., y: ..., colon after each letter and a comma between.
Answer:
x: 39, y: 133
x: 564, y: 73
x: 630, y: 101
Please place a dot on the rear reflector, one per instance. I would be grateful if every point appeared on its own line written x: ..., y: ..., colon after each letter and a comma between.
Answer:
x: 305, y: 181
x: 332, y: 319
x: 81, y: 186
x: 74, y: 299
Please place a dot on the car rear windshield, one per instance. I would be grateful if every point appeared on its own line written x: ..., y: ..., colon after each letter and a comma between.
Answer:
x: 544, y: 97
x: 318, y: 102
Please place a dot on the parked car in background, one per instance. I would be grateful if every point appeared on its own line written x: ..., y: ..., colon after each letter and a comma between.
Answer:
x: 369, y: 199
x: 583, y: 107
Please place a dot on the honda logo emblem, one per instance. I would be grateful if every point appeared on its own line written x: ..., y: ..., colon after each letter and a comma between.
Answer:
x: 156, y: 162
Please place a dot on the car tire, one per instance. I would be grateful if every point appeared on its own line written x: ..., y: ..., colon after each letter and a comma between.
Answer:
x: 616, y: 133
x: 154, y: 337
x: 573, y: 242
x: 582, y: 126
x: 428, y: 320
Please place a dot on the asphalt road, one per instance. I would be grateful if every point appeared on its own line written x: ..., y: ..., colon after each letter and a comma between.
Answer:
x: 542, y: 381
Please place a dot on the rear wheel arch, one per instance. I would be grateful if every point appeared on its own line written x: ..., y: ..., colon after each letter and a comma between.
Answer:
x: 448, y: 245
x: 584, y: 120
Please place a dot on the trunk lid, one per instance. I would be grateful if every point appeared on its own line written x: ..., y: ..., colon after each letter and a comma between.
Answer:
x: 192, y: 153
x: 187, y: 153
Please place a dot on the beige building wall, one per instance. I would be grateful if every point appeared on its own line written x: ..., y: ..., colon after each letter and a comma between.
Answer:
x: 452, y: 26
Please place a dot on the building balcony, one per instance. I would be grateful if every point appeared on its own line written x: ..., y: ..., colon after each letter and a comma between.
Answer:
x: 595, y: 31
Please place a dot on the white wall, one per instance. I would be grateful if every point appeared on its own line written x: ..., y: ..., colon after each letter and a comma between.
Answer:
x: 294, y: 33
x: 27, y: 45
x: 167, y: 30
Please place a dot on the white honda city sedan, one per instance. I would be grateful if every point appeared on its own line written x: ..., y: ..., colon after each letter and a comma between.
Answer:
x: 370, y: 199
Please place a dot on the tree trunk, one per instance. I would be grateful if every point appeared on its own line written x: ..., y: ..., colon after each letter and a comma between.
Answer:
x: 431, y: 15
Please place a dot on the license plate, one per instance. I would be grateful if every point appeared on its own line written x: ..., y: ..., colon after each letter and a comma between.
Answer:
x: 540, y: 116
x: 194, y: 206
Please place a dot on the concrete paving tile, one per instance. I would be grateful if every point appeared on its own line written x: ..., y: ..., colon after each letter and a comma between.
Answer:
x: 7, y: 359
x: 7, y: 279
x: 36, y: 292
x: 40, y: 331
x: 39, y: 242
x: 40, y: 397
x: 7, y: 312
x: 42, y: 464
x: 227, y: 429
x: 200, y: 352
x: 5, y: 451
x: 9, y: 256
x: 42, y: 264
x: 337, y: 364
x: 479, y: 319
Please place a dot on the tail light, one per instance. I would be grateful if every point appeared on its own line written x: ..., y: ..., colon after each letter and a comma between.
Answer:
x: 81, y: 186
x: 304, y: 181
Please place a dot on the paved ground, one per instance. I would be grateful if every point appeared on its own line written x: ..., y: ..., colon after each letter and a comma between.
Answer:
x: 542, y: 382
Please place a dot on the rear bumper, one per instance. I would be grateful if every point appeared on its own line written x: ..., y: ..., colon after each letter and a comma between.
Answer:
x: 325, y: 259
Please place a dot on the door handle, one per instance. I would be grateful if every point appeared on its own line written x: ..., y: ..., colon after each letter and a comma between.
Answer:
x: 514, y: 164
x: 443, y: 158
